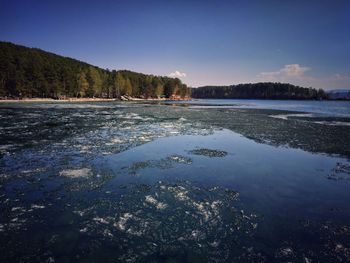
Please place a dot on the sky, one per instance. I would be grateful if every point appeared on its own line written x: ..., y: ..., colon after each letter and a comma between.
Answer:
x: 303, y: 42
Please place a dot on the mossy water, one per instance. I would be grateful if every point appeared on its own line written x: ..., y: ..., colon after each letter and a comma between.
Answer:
x: 121, y: 182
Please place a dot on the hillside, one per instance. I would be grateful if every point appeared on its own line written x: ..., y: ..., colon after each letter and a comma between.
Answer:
x: 264, y: 90
x: 31, y: 72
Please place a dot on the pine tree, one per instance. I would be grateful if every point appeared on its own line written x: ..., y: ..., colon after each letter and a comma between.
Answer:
x: 82, y: 85
x: 95, y: 82
x: 120, y: 84
x: 128, y: 87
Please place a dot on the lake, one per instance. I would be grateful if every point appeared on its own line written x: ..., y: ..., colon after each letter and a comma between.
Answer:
x: 194, y: 181
x: 325, y: 107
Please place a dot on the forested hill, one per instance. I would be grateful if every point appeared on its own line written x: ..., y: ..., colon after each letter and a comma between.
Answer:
x: 31, y: 72
x: 264, y: 90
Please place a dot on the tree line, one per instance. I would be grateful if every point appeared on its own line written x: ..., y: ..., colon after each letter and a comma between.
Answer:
x: 264, y: 90
x: 34, y: 73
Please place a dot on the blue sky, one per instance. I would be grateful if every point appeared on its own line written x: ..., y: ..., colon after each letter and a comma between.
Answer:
x: 203, y: 42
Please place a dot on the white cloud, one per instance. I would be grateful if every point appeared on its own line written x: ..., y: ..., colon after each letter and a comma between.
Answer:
x: 287, y: 72
x: 295, y: 74
x: 294, y: 70
x: 335, y: 81
x: 177, y: 74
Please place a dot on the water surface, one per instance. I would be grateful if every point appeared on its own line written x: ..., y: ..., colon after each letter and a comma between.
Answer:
x: 325, y: 107
x: 119, y: 182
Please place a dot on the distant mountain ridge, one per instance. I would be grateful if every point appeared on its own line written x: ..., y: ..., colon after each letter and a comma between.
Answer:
x: 31, y: 72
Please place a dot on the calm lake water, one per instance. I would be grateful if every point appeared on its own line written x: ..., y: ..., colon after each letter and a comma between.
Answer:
x: 330, y: 108
x: 133, y: 182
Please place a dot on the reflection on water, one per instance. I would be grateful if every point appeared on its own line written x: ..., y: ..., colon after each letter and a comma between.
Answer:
x: 328, y: 108
x: 114, y: 184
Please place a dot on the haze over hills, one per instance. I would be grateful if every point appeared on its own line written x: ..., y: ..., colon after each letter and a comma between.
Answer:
x: 34, y: 73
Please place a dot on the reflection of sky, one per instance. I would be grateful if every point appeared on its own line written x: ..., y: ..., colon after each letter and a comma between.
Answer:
x: 265, y: 175
x: 331, y: 108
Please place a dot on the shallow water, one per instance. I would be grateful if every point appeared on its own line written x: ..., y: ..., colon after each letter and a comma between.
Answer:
x: 120, y: 182
x: 326, y: 107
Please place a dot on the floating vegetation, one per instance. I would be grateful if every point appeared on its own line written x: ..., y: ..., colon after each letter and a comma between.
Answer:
x: 208, y: 152
x: 141, y: 165
x: 105, y: 129
x: 155, y: 202
x: 76, y: 173
x: 180, y: 159
x: 291, y: 115
x: 146, y: 222
x: 64, y: 200
x: 164, y: 163
x: 330, y: 244
x: 340, y: 172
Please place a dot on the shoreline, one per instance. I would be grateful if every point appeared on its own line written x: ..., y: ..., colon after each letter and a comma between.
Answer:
x: 55, y: 100
x: 77, y: 100
x: 131, y: 100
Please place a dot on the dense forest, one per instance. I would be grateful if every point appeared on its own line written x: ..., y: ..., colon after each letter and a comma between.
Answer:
x: 264, y: 90
x: 31, y: 72
x: 34, y: 73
